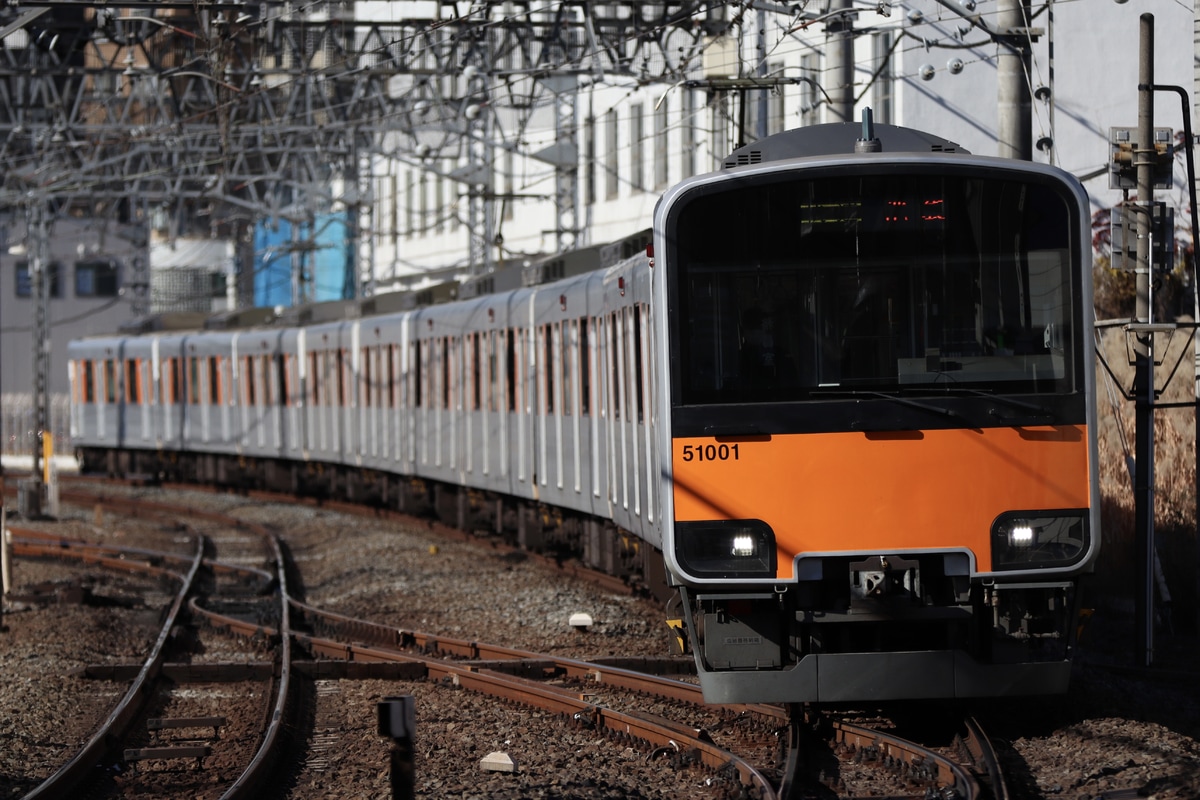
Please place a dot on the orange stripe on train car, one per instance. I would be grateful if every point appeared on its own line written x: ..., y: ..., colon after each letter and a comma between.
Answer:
x: 881, y: 492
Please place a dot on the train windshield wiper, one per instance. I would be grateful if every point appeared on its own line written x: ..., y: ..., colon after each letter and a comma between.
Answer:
x: 1033, y: 408
x: 895, y: 398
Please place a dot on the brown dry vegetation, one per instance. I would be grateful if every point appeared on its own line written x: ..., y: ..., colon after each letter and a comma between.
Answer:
x: 1174, y: 456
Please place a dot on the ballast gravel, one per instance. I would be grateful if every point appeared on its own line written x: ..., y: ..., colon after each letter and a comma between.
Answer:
x: 1119, y: 732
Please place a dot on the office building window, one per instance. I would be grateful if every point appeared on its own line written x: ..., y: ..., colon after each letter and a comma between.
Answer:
x: 589, y: 161
x: 24, y: 287
x: 96, y: 278
x: 637, y: 132
x: 612, y: 157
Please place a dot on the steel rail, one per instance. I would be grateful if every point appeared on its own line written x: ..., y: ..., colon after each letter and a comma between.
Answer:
x: 116, y: 726
x: 391, y: 636
x: 979, y: 746
x: 33, y: 543
x: 556, y: 700
x: 950, y: 774
x: 498, y: 684
x: 954, y: 776
x: 27, y: 542
x: 255, y: 775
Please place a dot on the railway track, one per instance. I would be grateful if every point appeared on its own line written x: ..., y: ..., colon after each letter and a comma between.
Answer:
x: 145, y: 729
x: 586, y: 693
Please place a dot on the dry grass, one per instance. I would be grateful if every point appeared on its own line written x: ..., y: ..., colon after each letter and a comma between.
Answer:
x: 1175, y: 476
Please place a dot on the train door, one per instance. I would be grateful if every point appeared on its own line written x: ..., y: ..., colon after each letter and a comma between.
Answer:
x: 137, y: 373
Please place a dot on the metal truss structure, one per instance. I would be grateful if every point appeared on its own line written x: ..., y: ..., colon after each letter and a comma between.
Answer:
x: 245, y: 111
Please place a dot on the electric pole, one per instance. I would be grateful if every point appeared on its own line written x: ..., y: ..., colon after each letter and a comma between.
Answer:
x: 840, y: 40
x: 1012, y: 89
x: 1143, y: 489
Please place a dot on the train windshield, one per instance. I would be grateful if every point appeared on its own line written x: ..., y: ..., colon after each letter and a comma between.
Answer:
x: 908, y: 283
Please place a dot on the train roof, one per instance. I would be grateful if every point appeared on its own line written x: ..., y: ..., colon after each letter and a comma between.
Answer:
x: 839, y: 138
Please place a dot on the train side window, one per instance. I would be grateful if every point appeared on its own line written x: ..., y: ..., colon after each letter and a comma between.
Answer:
x: 585, y: 368
x: 316, y: 379
x: 214, y: 380
x: 342, y: 365
x: 546, y: 371
x: 618, y: 341
x: 638, y: 362
x: 283, y: 378
x: 445, y: 371
x: 415, y: 370
x: 388, y: 372
x: 550, y: 366
x: 563, y: 349
x: 110, y: 381
x: 510, y: 368
x: 249, y: 390
x: 476, y: 374
x: 89, y: 381
x: 133, y: 381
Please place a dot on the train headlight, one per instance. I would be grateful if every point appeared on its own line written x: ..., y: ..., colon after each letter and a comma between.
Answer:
x: 1037, y: 540
x: 742, y: 548
x: 1021, y: 535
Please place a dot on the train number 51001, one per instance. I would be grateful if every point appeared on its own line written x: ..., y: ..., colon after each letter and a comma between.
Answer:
x: 710, y: 452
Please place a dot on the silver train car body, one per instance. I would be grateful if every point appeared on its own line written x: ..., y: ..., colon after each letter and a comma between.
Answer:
x: 536, y: 403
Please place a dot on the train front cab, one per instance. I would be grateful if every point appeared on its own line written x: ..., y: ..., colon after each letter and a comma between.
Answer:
x: 883, y: 473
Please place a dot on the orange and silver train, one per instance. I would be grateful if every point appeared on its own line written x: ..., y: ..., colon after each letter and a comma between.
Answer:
x: 843, y: 416
x: 878, y: 405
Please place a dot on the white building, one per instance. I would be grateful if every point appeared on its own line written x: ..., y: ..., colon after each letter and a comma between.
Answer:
x: 919, y: 63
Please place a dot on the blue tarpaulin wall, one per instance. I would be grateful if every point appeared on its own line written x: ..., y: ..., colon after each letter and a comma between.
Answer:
x: 326, y: 266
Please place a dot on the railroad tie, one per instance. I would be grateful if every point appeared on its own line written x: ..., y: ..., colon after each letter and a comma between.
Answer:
x: 168, y: 752
x: 196, y: 751
x: 163, y: 723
